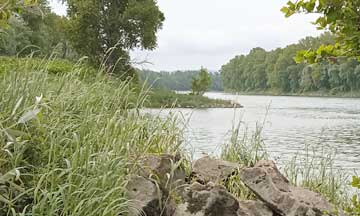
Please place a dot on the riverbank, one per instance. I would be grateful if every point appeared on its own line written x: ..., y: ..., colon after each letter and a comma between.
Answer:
x: 71, y: 143
x: 305, y: 94
x: 170, y: 99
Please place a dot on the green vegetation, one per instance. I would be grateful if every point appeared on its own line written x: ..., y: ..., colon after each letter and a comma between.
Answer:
x: 314, y: 170
x: 36, y: 31
x: 246, y: 148
x: 70, y: 134
x: 355, y: 210
x: 9, y: 8
x: 277, y: 72
x: 105, y: 30
x: 200, y: 84
x: 69, y: 140
x: 159, y: 98
x: 177, y: 80
x: 339, y: 17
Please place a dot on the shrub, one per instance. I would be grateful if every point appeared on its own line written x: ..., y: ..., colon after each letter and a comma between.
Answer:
x: 53, y: 66
x: 60, y: 66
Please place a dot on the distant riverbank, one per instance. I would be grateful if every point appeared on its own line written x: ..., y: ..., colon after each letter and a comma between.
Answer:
x: 304, y: 94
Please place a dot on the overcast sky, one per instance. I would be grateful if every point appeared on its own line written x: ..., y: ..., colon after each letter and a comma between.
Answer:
x: 210, y: 32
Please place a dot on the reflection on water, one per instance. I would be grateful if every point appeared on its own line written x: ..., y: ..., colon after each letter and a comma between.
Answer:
x: 289, y: 124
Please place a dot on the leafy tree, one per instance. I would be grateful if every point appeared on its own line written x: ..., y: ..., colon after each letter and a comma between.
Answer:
x: 341, y: 17
x: 15, y: 38
x: 11, y: 7
x: 105, y: 30
x: 276, y: 70
x: 294, y: 72
x: 334, y: 77
x: 36, y: 30
x: 306, y: 82
x: 201, y: 83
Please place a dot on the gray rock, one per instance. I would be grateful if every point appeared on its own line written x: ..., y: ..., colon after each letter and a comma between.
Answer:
x: 274, y: 189
x: 209, y: 169
x: 210, y: 200
x: 202, y: 201
x: 254, y: 208
x: 145, y: 197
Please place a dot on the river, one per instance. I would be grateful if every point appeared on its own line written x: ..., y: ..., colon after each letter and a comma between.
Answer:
x: 289, y: 125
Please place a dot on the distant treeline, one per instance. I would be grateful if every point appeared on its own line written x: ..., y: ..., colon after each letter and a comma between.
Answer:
x: 177, y: 80
x: 276, y: 70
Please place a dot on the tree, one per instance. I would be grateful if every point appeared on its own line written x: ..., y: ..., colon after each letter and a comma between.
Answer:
x: 105, y: 30
x: 201, y: 83
x: 294, y: 72
x: 15, y: 38
x: 341, y: 17
x: 9, y: 8
x: 35, y: 30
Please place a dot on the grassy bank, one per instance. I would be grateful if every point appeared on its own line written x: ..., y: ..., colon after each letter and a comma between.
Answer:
x: 167, y: 99
x: 68, y: 141
x: 156, y: 98
x: 350, y: 94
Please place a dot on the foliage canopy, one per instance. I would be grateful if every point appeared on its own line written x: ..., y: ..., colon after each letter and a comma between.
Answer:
x: 341, y: 17
x: 105, y: 30
x: 201, y: 83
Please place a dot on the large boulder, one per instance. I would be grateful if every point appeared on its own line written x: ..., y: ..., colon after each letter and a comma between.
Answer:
x: 214, y: 200
x: 145, y: 197
x: 201, y: 200
x: 265, y: 180
x: 209, y: 169
x: 254, y: 208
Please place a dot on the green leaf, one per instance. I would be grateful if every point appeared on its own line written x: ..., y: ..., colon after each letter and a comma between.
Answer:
x: 285, y: 10
x: 18, y: 103
x: 291, y: 5
x: 309, y: 6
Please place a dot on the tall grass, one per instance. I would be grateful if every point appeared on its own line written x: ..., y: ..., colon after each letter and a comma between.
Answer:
x: 313, y: 170
x: 245, y: 147
x: 67, y: 142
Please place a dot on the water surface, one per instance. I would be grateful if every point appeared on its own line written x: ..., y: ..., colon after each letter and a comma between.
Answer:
x: 289, y: 125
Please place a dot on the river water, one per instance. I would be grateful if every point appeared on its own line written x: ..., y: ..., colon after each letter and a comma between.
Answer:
x: 289, y: 125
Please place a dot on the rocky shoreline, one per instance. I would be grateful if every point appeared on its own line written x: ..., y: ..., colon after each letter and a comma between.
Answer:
x: 161, y: 187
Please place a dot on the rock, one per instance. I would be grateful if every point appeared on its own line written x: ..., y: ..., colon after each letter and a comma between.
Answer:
x: 254, y: 208
x: 144, y: 195
x: 209, y: 169
x: 274, y: 189
x: 203, y: 201
x: 210, y: 200
x: 162, y: 167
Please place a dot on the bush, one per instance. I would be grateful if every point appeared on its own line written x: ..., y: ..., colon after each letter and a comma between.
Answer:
x: 53, y: 66
x: 60, y: 66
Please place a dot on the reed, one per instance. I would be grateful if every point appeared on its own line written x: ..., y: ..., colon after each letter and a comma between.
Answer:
x: 68, y: 141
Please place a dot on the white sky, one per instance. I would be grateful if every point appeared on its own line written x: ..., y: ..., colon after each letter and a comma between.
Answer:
x: 210, y: 32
